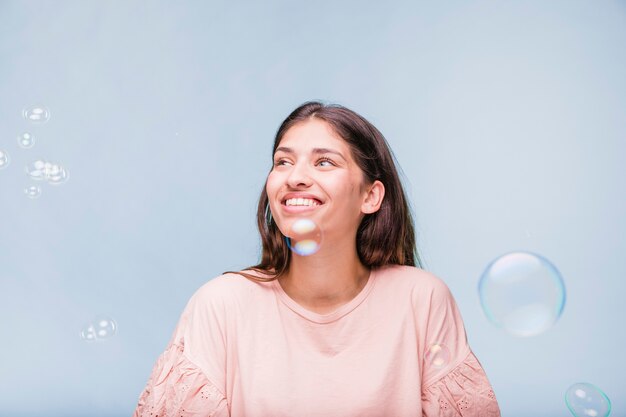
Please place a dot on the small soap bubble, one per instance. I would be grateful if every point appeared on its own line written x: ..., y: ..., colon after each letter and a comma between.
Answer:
x: 102, y: 328
x: 88, y: 333
x: 523, y: 293
x: 33, y: 191
x: 4, y: 159
x: 35, y: 169
x: 26, y: 140
x: 305, y: 237
x: 36, y: 114
x: 105, y: 328
x: 586, y: 400
x: 437, y: 355
x: 44, y: 170
x: 55, y: 174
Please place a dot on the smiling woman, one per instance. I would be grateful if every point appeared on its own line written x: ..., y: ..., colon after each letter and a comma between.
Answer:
x: 355, y: 329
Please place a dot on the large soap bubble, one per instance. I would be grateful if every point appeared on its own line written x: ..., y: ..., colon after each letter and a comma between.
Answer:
x: 586, y: 400
x: 522, y: 292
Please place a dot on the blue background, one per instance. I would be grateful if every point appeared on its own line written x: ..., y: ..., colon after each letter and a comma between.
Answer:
x: 507, y: 118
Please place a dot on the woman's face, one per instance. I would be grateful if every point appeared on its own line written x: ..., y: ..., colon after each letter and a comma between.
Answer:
x: 314, y: 176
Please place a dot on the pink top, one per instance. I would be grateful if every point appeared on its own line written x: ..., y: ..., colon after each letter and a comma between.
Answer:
x: 247, y: 349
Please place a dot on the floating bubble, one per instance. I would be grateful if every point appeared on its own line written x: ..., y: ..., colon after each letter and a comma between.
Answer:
x: 44, y: 170
x: 437, y: 355
x: 587, y: 400
x: 36, y: 169
x: 88, y: 333
x: 305, y: 237
x: 26, y: 140
x: 55, y: 174
x: 102, y: 328
x: 36, y: 114
x: 105, y: 328
x: 33, y: 191
x: 522, y: 292
x: 4, y: 159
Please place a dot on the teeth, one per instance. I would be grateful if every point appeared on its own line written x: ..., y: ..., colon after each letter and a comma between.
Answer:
x: 301, y: 202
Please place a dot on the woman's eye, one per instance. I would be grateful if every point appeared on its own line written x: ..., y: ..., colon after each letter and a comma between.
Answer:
x: 280, y: 162
x: 325, y: 162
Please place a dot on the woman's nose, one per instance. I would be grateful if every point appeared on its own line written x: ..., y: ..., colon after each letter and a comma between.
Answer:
x: 299, y: 176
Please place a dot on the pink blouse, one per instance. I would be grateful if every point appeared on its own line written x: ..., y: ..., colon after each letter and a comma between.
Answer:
x: 243, y: 348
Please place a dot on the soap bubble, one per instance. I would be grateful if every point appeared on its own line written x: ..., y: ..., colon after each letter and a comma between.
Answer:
x: 437, y: 355
x: 105, y: 327
x: 522, y: 292
x: 102, y: 328
x: 4, y: 159
x: 305, y: 237
x: 36, y: 114
x: 56, y: 174
x: 88, y: 333
x: 35, y: 169
x: 33, y: 191
x: 26, y: 140
x: 586, y: 400
x: 41, y: 169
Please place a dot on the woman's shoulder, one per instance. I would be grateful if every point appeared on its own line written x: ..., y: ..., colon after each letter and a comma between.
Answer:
x: 231, y: 285
x: 419, y: 282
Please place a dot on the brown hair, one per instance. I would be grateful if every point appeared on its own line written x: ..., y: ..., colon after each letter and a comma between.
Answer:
x: 384, y: 237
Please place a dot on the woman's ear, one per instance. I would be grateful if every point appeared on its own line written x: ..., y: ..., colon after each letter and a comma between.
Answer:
x: 373, y: 198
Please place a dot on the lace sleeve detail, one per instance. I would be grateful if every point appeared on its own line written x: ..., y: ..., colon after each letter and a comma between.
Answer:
x: 178, y: 388
x: 463, y: 392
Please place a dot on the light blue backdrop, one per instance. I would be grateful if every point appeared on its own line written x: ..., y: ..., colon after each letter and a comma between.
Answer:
x: 508, y: 119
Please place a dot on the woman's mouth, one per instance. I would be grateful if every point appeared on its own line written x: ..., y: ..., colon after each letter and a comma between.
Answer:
x: 297, y: 205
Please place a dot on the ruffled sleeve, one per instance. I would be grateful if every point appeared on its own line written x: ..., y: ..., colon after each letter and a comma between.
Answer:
x: 463, y: 392
x: 177, y: 387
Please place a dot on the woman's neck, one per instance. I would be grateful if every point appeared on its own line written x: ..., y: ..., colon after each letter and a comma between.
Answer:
x: 326, y: 280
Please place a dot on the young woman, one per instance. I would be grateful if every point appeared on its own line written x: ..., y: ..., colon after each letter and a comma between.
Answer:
x: 354, y: 329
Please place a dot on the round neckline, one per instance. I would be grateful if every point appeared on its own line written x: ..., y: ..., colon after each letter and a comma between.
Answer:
x: 329, y: 317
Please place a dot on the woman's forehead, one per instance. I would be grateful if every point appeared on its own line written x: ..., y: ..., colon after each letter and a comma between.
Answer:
x: 310, y: 134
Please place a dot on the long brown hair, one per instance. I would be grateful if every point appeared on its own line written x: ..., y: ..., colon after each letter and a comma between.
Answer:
x: 384, y: 237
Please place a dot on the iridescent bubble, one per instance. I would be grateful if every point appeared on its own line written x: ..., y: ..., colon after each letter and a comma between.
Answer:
x: 522, y: 292
x: 305, y: 237
x: 4, y: 159
x: 437, y: 355
x: 33, y: 191
x: 36, y: 114
x: 587, y: 400
x: 26, y: 140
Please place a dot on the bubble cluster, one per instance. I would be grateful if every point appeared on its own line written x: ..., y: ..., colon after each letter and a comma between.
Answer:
x: 522, y: 292
x: 102, y: 328
x: 587, y: 400
x: 26, y: 140
x: 36, y: 114
x: 437, y: 355
x: 305, y: 237
x: 42, y: 170
x: 4, y: 159
x: 33, y: 191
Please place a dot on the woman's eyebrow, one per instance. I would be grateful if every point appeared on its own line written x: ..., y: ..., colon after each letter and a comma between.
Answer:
x: 314, y: 150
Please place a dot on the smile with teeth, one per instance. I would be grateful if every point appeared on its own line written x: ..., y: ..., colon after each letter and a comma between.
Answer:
x: 301, y: 202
